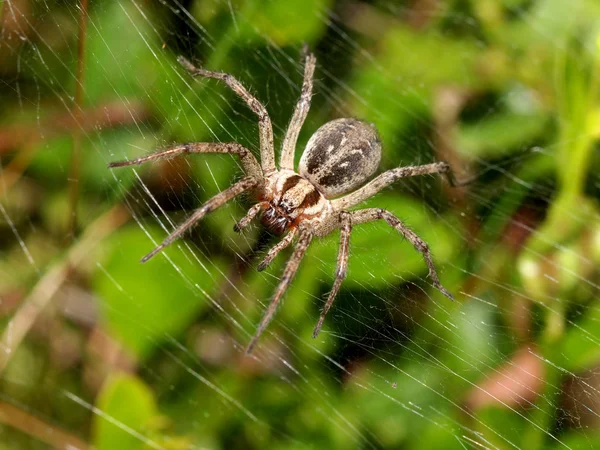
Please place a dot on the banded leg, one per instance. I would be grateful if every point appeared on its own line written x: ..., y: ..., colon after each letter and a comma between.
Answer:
x: 342, y: 265
x: 291, y: 137
x: 249, y: 162
x: 285, y: 242
x: 370, y: 214
x: 250, y: 215
x: 267, y: 151
x: 387, y: 178
x: 288, y: 275
x: 218, y: 200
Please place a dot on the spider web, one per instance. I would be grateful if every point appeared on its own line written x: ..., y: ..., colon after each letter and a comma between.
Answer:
x: 101, y: 350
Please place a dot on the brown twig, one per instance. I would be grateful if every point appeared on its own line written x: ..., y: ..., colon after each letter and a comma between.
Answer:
x: 447, y: 105
x: 91, y: 119
x: 107, y: 115
x: 33, y: 426
x: 48, y: 285
x: 14, y: 170
x: 77, y: 112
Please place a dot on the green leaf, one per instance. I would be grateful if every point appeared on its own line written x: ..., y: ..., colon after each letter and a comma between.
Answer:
x: 396, y: 87
x: 475, y: 340
x: 140, y: 69
x: 495, y: 136
x: 127, y: 408
x: 575, y: 438
x: 142, y: 304
x: 579, y: 347
x: 286, y: 23
x: 506, y: 425
x: 53, y: 158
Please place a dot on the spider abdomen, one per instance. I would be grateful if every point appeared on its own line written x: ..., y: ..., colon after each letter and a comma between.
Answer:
x: 341, y: 156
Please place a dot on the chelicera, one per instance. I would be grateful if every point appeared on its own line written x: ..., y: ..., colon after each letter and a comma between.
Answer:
x: 311, y: 202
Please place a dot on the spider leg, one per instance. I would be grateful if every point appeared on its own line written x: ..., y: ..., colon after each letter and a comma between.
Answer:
x: 371, y: 214
x: 267, y: 152
x: 286, y: 241
x: 300, y: 113
x: 218, y: 200
x: 250, y: 215
x: 249, y: 162
x: 288, y: 275
x: 342, y: 265
x: 386, y: 178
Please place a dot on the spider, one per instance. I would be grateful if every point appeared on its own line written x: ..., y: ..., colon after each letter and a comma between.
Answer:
x: 311, y: 202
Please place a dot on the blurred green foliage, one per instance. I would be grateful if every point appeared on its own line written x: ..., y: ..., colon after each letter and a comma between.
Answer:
x: 506, y: 91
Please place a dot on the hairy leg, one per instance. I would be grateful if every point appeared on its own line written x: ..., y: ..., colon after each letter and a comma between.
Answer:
x: 370, y: 214
x: 250, y: 215
x: 389, y: 177
x: 288, y: 275
x: 218, y: 200
x: 267, y: 151
x: 285, y: 242
x: 342, y: 265
x: 249, y: 163
x: 291, y: 137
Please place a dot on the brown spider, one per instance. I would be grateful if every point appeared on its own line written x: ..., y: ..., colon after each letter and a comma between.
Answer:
x: 338, y: 158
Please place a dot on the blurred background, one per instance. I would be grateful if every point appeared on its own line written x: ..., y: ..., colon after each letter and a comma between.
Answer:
x: 97, y: 350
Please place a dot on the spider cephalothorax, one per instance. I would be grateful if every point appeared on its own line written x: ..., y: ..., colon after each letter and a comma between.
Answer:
x: 339, y: 158
x: 289, y: 201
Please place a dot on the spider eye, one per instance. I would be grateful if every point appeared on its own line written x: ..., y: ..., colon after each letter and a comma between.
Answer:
x: 341, y: 156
